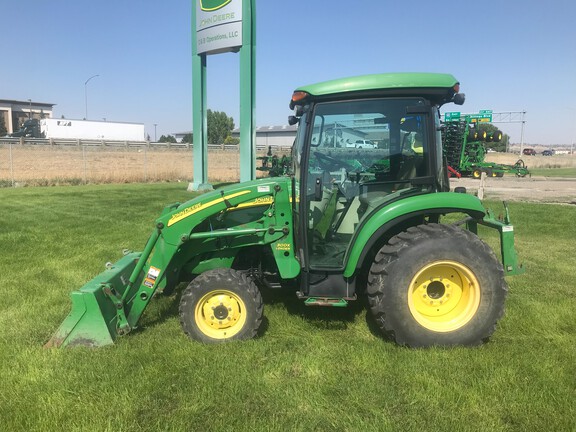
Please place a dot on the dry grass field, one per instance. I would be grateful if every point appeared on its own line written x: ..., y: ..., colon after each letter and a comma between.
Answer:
x: 34, y: 165
x: 45, y: 165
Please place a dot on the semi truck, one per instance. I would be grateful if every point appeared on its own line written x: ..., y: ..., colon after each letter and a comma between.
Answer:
x: 81, y: 129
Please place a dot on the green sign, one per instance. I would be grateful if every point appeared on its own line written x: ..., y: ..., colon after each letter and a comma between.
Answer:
x: 485, y: 112
x: 218, y: 26
x: 481, y: 117
x: 449, y: 116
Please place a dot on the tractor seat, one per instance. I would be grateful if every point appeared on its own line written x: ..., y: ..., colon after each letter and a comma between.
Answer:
x: 373, y: 195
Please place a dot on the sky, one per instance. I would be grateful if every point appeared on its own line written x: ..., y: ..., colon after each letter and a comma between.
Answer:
x: 508, y: 55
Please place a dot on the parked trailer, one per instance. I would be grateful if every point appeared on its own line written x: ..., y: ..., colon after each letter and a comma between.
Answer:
x: 81, y: 129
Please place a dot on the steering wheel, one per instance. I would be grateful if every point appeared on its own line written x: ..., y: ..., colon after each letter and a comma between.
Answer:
x: 331, y: 164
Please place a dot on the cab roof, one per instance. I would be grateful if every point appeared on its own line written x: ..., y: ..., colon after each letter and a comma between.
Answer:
x: 437, y: 87
x: 381, y: 82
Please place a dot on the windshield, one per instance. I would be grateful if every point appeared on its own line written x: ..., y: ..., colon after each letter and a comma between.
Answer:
x: 370, y: 138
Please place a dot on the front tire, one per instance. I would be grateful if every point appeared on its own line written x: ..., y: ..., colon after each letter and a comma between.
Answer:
x: 221, y: 305
x: 436, y: 285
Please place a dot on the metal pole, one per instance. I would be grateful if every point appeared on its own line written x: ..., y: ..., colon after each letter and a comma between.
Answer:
x: 30, y: 112
x: 155, y: 139
x: 11, y: 165
x: 248, y: 92
x: 522, y: 133
x: 86, y: 94
x: 199, y: 114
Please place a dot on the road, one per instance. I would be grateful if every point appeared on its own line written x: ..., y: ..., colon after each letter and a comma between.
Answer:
x: 531, y: 189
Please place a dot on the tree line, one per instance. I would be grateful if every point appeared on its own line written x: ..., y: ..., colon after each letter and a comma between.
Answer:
x: 219, y: 130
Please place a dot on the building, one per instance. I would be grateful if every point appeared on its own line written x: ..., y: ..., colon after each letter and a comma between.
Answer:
x: 15, y: 112
x: 275, y: 136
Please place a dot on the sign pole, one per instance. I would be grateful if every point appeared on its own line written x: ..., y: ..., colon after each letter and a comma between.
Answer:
x: 248, y: 93
x: 220, y: 26
x: 199, y: 116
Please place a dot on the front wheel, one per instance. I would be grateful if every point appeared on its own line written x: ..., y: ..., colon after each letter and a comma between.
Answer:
x: 221, y: 305
x: 436, y: 285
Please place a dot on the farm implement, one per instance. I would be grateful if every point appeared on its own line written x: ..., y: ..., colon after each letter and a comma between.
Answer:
x: 465, y: 149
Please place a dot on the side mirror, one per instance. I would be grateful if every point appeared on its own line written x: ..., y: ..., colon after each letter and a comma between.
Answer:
x: 459, y: 98
x: 292, y: 120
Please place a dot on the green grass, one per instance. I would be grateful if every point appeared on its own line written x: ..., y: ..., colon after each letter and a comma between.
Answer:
x: 312, y: 369
x: 554, y: 172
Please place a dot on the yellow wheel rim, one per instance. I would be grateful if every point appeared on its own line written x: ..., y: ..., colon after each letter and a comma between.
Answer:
x: 444, y: 296
x: 220, y: 314
x: 476, y: 174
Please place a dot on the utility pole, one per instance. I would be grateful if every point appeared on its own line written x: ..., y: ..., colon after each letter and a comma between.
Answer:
x: 522, y: 133
x: 86, y: 94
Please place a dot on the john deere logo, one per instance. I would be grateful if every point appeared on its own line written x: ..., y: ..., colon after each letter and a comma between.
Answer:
x: 212, y: 5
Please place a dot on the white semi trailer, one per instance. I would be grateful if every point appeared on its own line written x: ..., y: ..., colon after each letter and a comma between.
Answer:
x: 81, y: 129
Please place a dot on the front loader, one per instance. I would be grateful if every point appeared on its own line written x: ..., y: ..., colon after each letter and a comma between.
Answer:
x: 344, y: 222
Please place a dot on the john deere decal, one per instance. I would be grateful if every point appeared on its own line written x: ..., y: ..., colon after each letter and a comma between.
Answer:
x: 212, y: 5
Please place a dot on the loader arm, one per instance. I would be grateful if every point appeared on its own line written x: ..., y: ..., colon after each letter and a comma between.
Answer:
x: 203, y: 233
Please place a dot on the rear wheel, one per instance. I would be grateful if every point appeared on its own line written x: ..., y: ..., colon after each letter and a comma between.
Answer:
x: 436, y: 285
x: 221, y: 305
x: 477, y: 173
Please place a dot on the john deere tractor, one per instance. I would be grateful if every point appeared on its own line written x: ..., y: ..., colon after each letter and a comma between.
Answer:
x: 346, y: 221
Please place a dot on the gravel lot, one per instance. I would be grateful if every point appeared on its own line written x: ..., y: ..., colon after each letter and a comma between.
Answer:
x: 532, y: 189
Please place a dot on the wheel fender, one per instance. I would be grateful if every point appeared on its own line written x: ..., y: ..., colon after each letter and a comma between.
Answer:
x: 390, y: 215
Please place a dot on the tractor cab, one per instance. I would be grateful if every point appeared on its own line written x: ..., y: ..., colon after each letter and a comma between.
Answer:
x: 342, y: 185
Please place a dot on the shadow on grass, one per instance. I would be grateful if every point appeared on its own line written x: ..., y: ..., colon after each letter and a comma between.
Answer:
x: 164, y: 308
x: 322, y: 317
x: 161, y: 308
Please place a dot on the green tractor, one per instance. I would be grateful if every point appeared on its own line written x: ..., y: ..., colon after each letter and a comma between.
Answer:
x: 346, y: 221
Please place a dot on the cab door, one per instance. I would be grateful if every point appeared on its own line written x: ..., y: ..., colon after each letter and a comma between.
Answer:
x: 342, y: 184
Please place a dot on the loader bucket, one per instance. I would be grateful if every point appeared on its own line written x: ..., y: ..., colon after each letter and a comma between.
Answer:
x: 92, y: 320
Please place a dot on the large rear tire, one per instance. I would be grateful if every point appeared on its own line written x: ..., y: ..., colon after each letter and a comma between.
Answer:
x: 221, y: 305
x: 436, y: 285
x: 497, y: 136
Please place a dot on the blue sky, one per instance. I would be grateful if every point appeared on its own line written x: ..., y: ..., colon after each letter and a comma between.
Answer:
x: 508, y: 55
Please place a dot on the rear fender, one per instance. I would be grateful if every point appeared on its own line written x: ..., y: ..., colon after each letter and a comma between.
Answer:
x: 386, y: 218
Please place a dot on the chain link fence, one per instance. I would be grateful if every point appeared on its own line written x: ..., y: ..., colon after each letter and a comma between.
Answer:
x: 32, y: 162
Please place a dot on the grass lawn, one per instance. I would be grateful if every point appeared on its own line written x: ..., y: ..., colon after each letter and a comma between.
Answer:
x: 312, y: 369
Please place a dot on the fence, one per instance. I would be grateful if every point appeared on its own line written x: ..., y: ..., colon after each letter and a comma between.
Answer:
x: 33, y: 162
